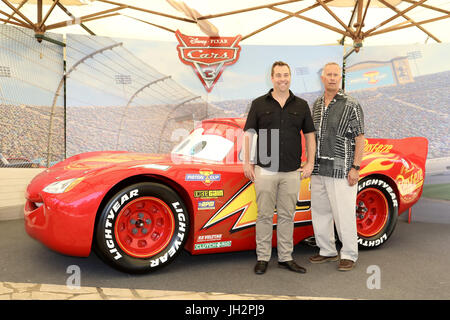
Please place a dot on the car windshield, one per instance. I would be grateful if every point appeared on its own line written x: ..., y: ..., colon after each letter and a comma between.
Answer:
x: 204, y: 146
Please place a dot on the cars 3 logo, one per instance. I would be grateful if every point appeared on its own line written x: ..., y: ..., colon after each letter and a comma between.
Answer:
x: 208, y: 56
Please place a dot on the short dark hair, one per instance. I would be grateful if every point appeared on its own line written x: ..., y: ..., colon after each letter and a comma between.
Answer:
x: 279, y: 64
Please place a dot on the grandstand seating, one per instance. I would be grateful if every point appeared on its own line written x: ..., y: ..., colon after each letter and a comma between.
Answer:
x: 420, y: 108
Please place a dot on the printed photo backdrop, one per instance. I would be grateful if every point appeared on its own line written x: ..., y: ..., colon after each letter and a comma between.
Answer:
x: 125, y: 94
x: 31, y: 106
x: 404, y: 91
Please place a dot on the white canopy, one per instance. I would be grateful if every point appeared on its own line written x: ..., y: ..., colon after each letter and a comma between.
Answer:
x: 292, y: 22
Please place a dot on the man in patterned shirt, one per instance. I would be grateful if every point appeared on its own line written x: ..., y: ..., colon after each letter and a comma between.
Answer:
x: 339, y: 122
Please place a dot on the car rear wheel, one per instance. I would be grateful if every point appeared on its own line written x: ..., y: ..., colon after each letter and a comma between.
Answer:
x: 376, y: 212
x: 142, y: 228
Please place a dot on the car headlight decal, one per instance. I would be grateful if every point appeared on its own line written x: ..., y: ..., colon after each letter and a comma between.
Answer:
x: 62, y: 186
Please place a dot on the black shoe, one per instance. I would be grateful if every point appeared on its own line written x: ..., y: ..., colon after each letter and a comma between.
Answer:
x: 261, y: 267
x: 291, y: 265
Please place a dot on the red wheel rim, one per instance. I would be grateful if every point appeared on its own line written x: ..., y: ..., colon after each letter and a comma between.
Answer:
x: 371, y: 212
x: 144, y: 227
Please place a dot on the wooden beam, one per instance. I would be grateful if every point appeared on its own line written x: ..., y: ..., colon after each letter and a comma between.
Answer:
x: 83, y: 18
x: 55, y: 2
x: 358, y: 30
x: 266, y: 6
x: 152, y: 24
x: 294, y: 14
x: 300, y: 11
x: 265, y: 27
x: 348, y: 29
x: 18, y: 8
x: 429, y: 7
x: 390, y: 29
x: 410, y: 20
x: 324, y: 25
x: 360, y: 7
x: 71, y: 15
x: 393, y: 17
x: 39, y: 11
x: 18, y: 12
x: 11, y: 16
x: 290, y: 15
x: 25, y: 25
x: 148, y: 11
x: 352, y: 18
x: 103, y: 16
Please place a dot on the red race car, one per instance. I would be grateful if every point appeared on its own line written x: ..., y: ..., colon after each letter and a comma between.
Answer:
x: 137, y: 211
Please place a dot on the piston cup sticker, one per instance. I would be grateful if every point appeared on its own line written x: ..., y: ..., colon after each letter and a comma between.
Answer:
x: 208, y: 56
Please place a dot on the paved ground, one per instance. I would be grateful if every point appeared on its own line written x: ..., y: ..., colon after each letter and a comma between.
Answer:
x: 36, y: 291
x: 413, y: 264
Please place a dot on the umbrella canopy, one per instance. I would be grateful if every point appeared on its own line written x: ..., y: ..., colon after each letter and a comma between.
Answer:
x: 287, y: 22
x: 374, y: 3
x: 50, y: 2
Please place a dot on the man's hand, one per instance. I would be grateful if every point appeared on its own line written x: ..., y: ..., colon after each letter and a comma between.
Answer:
x: 306, y: 170
x: 249, y: 171
x: 353, y: 176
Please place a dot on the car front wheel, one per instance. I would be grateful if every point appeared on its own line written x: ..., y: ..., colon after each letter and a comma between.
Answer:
x: 142, y: 228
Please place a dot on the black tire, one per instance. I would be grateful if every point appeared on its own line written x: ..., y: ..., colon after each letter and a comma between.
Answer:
x: 142, y: 228
x: 376, y: 212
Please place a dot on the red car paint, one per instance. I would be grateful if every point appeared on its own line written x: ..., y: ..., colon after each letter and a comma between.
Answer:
x: 220, y: 200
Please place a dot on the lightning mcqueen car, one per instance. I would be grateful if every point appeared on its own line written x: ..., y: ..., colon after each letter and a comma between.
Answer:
x: 138, y: 211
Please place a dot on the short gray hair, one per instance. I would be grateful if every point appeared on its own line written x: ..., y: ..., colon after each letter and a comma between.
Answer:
x: 331, y: 64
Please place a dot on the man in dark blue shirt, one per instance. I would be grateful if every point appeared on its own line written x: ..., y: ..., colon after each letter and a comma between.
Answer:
x: 276, y: 120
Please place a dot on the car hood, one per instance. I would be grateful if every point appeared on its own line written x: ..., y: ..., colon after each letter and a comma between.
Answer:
x: 94, y: 161
x: 91, y: 163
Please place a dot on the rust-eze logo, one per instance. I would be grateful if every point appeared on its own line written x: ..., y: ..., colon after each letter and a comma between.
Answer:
x: 208, y: 56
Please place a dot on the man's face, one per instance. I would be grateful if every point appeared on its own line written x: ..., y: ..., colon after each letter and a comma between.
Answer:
x: 331, y: 78
x: 281, y: 78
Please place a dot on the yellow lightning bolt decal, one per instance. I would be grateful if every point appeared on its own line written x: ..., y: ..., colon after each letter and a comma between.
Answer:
x: 242, y: 202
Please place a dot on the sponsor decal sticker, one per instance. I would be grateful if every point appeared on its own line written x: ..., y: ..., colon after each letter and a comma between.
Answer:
x: 409, y: 181
x: 209, y: 237
x: 205, y: 176
x: 377, y: 147
x: 212, y: 245
x: 206, y: 205
x: 208, y: 56
x: 206, y: 194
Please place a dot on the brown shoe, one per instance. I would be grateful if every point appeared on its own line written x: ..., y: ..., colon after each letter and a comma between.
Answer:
x: 261, y: 267
x: 346, y: 265
x: 322, y: 259
x: 292, y: 265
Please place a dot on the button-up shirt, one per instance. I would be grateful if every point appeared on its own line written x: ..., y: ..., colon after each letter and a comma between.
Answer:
x: 278, y: 129
x: 337, y: 126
